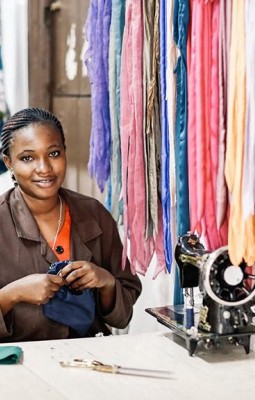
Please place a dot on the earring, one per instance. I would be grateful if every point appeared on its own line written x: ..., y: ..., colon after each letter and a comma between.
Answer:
x: 13, y: 177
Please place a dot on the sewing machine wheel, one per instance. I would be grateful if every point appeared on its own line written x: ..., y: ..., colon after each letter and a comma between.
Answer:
x: 224, y: 282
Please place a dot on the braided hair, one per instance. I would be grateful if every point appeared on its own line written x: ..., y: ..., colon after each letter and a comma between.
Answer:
x: 23, y: 118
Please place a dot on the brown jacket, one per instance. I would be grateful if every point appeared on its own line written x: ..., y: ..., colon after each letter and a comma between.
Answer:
x: 23, y: 251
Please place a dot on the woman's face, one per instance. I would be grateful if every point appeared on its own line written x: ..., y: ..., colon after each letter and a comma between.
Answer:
x: 38, y: 160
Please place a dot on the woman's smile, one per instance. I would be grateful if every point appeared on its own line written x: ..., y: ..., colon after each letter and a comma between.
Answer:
x: 46, y: 182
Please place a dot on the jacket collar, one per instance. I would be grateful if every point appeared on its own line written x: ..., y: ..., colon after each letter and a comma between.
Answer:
x: 25, y: 224
x: 84, y: 225
x: 82, y: 218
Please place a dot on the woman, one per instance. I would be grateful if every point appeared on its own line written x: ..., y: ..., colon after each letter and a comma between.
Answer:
x: 41, y: 223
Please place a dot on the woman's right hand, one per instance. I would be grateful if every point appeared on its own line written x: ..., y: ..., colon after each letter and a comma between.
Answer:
x: 38, y: 288
x: 33, y: 289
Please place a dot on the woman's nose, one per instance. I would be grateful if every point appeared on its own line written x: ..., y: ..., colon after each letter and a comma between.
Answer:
x: 43, y: 165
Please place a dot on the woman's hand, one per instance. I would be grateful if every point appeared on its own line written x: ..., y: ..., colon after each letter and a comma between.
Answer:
x: 38, y: 288
x: 33, y: 289
x: 83, y: 275
x: 86, y: 275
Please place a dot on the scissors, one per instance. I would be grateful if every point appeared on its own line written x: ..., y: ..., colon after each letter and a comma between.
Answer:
x: 115, y: 369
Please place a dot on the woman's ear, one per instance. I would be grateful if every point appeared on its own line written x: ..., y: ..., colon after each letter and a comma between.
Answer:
x: 7, y: 162
x: 8, y: 165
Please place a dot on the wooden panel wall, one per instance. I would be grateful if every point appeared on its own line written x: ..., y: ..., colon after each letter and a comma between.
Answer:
x: 39, y: 47
x: 70, y: 19
x: 57, y: 80
x: 73, y: 112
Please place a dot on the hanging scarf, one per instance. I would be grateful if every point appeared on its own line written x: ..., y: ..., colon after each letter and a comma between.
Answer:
x: 235, y: 134
x: 115, y: 48
x: 203, y: 79
x: 96, y: 59
x: 222, y: 201
x: 171, y: 57
x: 181, y: 18
x: 166, y: 198
x: 152, y: 130
x: 133, y: 167
x: 211, y: 102
x: 248, y: 190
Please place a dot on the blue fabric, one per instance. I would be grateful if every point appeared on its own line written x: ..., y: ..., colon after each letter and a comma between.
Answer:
x: 77, y: 312
x: 108, y: 196
x: 165, y: 197
x: 181, y: 20
x: 74, y: 310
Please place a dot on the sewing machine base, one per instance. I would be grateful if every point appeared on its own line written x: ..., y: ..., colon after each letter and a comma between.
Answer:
x: 173, y: 317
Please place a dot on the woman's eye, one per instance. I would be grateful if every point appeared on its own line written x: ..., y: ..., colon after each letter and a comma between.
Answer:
x: 27, y: 158
x: 54, y: 153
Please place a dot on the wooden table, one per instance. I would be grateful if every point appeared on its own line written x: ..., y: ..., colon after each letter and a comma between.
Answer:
x: 217, y: 374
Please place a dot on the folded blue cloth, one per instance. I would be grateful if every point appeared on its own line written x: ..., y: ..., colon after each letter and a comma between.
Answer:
x: 74, y: 310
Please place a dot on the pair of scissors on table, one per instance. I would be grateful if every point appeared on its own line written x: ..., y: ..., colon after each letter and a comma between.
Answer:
x: 115, y: 369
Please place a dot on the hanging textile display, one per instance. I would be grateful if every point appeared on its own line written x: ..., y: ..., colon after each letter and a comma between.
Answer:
x: 133, y: 181
x: 222, y: 201
x: 203, y: 126
x: 97, y: 29
x: 141, y: 248
x: 177, y: 141
x: 115, y: 204
x: 235, y: 132
x: 168, y: 137
x: 248, y: 184
x: 166, y: 197
x: 241, y: 241
x: 181, y: 19
x: 152, y: 130
x: 151, y: 112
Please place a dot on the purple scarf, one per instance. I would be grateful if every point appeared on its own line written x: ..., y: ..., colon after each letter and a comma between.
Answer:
x: 97, y: 29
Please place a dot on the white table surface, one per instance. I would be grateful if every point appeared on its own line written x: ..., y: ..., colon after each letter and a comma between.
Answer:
x: 217, y: 374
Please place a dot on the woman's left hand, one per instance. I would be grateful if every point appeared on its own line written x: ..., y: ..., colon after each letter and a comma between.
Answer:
x: 86, y: 275
x: 82, y: 275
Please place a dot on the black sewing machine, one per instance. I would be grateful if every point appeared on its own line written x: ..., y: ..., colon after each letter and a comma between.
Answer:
x: 228, y: 297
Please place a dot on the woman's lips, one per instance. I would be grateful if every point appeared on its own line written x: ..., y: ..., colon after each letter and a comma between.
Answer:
x: 45, y: 182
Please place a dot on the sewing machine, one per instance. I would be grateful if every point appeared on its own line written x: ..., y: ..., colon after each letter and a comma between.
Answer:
x: 227, y: 310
